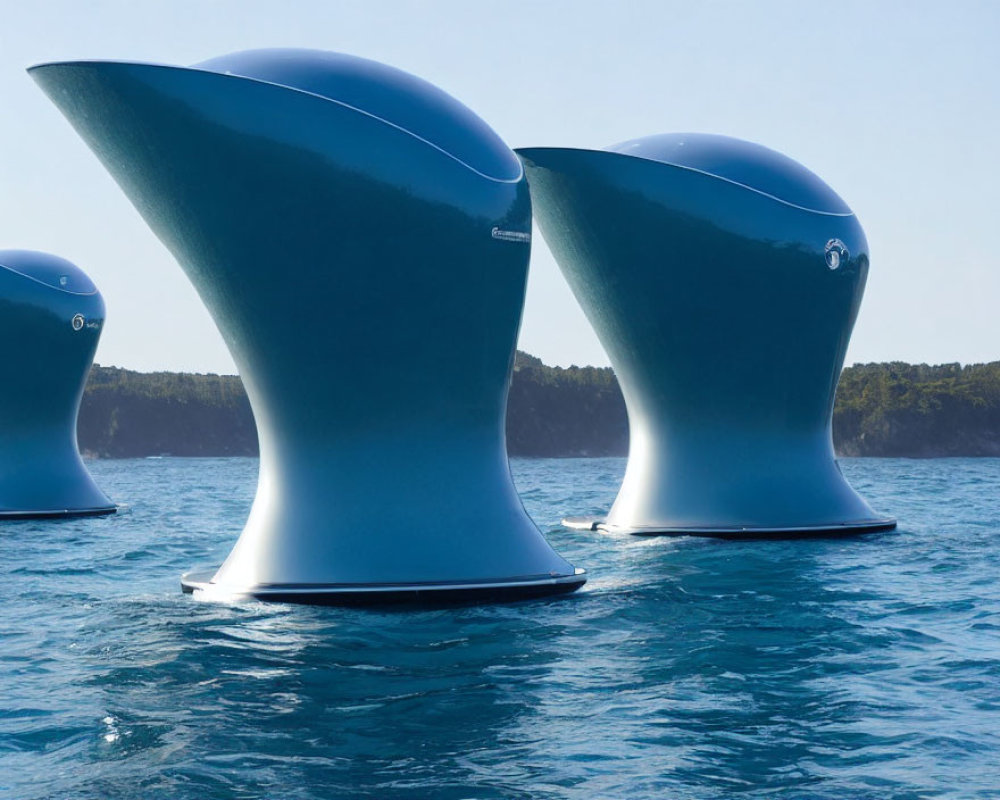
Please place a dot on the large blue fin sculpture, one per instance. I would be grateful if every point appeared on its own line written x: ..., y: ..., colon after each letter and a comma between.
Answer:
x: 723, y: 280
x: 51, y: 316
x: 362, y: 241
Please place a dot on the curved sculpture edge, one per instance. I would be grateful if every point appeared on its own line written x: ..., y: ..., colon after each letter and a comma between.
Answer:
x: 414, y: 594
x: 58, y: 513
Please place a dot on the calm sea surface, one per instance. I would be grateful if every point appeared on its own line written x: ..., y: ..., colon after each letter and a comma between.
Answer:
x: 686, y: 668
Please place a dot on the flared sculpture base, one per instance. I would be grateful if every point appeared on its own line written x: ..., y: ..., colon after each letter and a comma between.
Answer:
x: 735, y: 532
x: 414, y: 594
x: 58, y: 513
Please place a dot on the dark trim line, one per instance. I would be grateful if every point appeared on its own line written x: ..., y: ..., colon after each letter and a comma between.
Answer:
x: 69, y: 512
x: 733, y: 534
x: 813, y: 532
x: 428, y: 595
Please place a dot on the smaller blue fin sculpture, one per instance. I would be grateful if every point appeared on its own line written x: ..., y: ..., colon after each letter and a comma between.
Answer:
x: 362, y: 240
x: 51, y: 316
x: 723, y: 280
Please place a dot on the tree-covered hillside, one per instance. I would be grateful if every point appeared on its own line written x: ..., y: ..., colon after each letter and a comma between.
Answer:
x: 125, y: 414
x: 578, y: 411
x: 890, y: 409
x: 899, y: 409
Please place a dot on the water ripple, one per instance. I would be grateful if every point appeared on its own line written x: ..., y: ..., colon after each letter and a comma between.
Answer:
x: 686, y: 668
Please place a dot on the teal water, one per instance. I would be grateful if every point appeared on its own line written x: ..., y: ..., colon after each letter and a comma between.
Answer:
x: 686, y: 668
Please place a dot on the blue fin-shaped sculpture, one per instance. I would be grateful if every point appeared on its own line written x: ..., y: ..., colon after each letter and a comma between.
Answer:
x: 361, y: 239
x: 51, y: 316
x: 723, y: 280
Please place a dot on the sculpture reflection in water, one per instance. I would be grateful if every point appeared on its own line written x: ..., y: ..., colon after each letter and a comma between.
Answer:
x: 723, y: 280
x: 362, y: 241
x: 51, y: 316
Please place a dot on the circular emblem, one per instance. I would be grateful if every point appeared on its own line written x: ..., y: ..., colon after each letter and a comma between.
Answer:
x: 78, y: 322
x: 836, y: 253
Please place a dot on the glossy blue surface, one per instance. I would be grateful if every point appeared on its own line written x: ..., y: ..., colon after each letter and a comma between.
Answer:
x: 51, y: 317
x: 746, y: 163
x: 50, y: 270
x: 369, y: 286
x: 686, y: 668
x: 390, y: 94
x: 725, y: 321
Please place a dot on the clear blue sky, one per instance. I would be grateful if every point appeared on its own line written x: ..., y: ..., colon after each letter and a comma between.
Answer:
x: 895, y: 104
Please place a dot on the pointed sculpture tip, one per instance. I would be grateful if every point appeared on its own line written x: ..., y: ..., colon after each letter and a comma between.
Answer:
x: 46, y: 66
x: 44, y: 75
x: 559, y: 159
x: 43, y: 66
x: 44, y: 69
x: 35, y: 70
x: 534, y: 156
x: 528, y: 152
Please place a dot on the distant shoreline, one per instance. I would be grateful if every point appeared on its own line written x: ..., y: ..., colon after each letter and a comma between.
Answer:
x: 890, y: 410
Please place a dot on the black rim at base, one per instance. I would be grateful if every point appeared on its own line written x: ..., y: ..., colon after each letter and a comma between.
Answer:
x: 414, y: 595
x: 814, y: 532
x: 69, y: 512
x: 819, y: 532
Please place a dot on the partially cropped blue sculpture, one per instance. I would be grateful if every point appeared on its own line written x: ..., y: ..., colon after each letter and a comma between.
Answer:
x: 361, y: 239
x: 51, y: 316
x: 723, y: 280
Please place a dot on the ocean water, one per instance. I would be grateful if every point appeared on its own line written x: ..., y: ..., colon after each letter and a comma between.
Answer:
x: 686, y: 668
